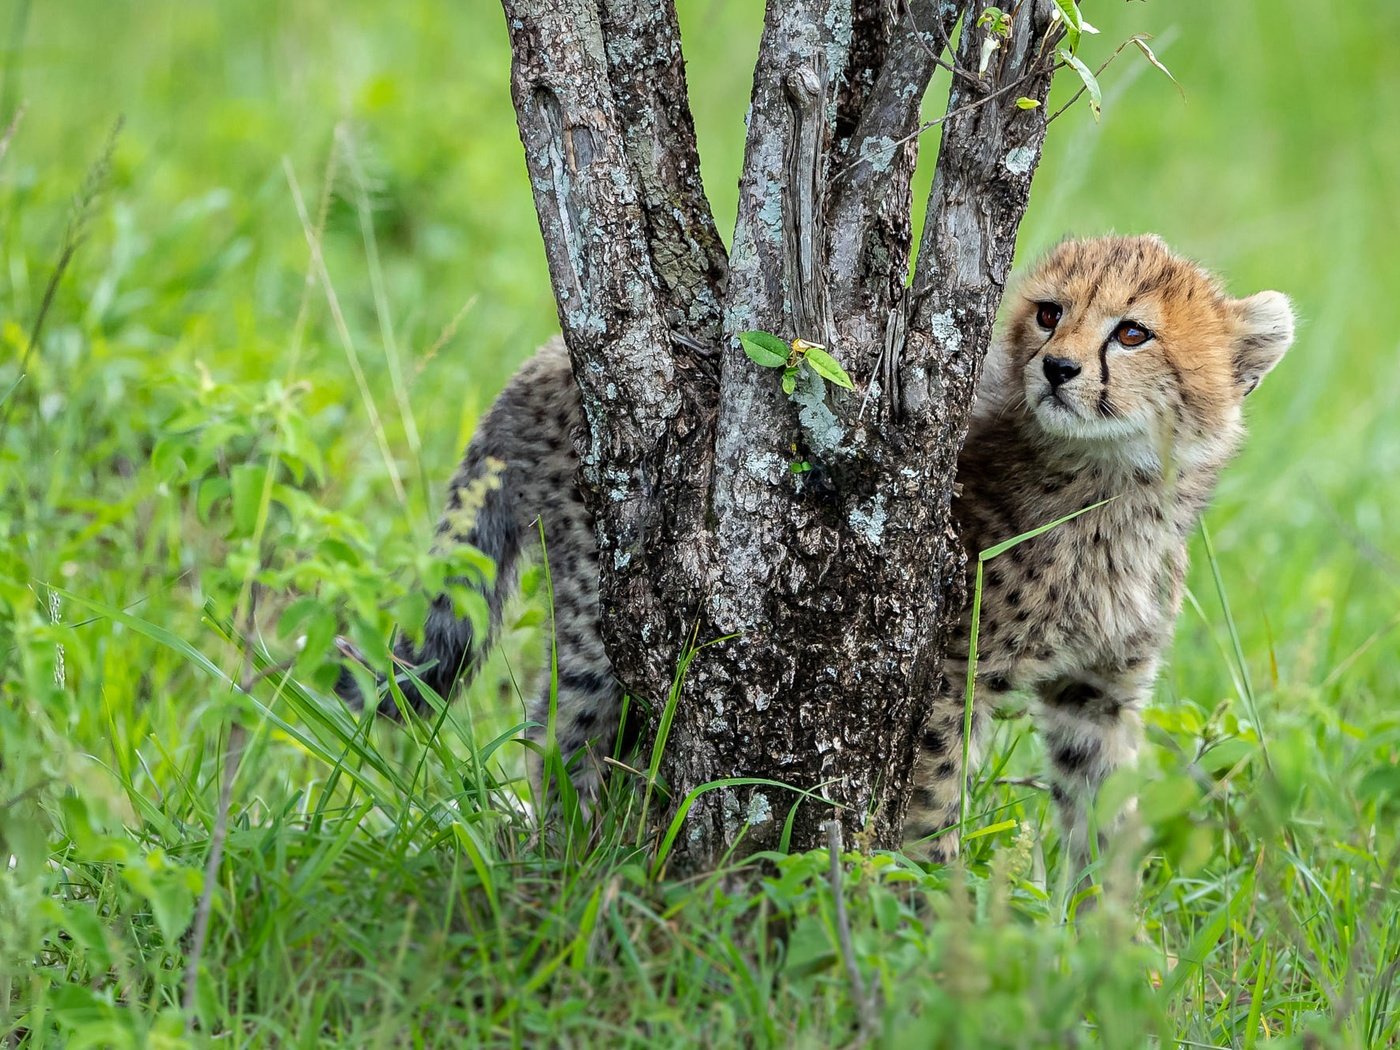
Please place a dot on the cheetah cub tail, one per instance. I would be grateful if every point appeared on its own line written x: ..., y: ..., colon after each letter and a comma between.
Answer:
x: 519, y: 455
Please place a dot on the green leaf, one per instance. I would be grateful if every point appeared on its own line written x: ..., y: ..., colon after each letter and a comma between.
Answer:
x: 319, y: 627
x: 1074, y: 22
x: 1091, y: 83
x: 211, y: 490
x: 827, y: 367
x: 1141, y: 39
x: 296, y: 614
x: 1382, y: 786
x: 248, y: 480
x: 765, y: 349
x: 789, y: 380
x: 990, y: 829
x: 1027, y: 103
x: 1167, y: 797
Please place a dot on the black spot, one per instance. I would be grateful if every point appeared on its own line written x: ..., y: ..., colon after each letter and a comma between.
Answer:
x: 1060, y: 796
x: 1013, y: 599
x: 590, y: 682
x: 924, y: 798
x: 946, y: 770
x: 934, y: 742
x: 1073, y: 757
x: 586, y: 718
x: 1022, y: 615
x: 1073, y: 694
x: 994, y: 577
x: 997, y: 683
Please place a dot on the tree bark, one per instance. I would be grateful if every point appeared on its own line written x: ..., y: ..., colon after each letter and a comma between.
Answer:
x: 834, y: 587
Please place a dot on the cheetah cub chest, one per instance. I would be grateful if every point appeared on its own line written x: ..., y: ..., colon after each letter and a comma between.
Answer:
x: 1116, y: 384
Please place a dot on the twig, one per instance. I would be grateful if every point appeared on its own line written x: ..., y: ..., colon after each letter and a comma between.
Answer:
x: 865, y: 1006
x: 449, y: 330
x: 1082, y: 88
x: 868, y: 156
x: 232, y: 755
x: 11, y: 129
x: 1029, y: 782
x: 267, y: 672
x: 936, y: 56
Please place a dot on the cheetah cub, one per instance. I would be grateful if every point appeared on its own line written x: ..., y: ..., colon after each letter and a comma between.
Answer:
x: 1118, y: 375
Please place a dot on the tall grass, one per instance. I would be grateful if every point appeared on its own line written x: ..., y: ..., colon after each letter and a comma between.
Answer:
x: 242, y: 405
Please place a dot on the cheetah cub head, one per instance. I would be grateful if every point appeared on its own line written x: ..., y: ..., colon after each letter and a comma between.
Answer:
x: 1122, y: 348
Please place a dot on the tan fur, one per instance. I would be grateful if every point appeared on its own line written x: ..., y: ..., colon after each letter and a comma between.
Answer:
x: 1080, y: 615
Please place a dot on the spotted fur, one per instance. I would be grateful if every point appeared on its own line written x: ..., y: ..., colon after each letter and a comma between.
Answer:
x: 527, y: 439
x: 1078, y: 616
x: 1068, y: 416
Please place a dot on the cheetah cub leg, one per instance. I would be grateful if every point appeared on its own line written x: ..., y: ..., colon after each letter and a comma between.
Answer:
x: 931, y: 823
x: 589, y: 700
x: 1092, y: 725
x: 586, y: 728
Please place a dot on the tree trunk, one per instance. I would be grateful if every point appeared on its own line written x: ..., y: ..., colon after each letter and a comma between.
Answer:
x: 834, y: 587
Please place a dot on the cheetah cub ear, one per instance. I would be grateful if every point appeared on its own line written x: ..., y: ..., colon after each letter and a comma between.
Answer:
x: 1265, y: 331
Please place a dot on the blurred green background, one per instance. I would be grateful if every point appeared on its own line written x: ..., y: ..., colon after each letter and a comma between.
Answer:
x: 1279, y: 170
x: 189, y: 292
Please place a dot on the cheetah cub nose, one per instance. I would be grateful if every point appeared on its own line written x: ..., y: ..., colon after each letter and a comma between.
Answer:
x: 1060, y: 371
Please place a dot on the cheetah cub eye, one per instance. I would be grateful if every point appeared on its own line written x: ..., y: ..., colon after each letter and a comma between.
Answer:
x: 1131, y: 335
x: 1048, y: 315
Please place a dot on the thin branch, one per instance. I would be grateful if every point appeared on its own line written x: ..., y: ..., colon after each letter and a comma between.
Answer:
x: 941, y: 29
x: 951, y: 115
x: 980, y: 190
x: 646, y: 72
x: 864, y: 1002
x: 1082, y: 88
x: 232, y: 755
x: 253, y: 678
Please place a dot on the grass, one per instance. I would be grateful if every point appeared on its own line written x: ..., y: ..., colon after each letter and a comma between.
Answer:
x: 256, y: 371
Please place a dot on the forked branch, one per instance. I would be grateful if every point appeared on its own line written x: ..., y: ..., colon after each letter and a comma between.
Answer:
x: 647, y: 74
x: 988, y: 155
